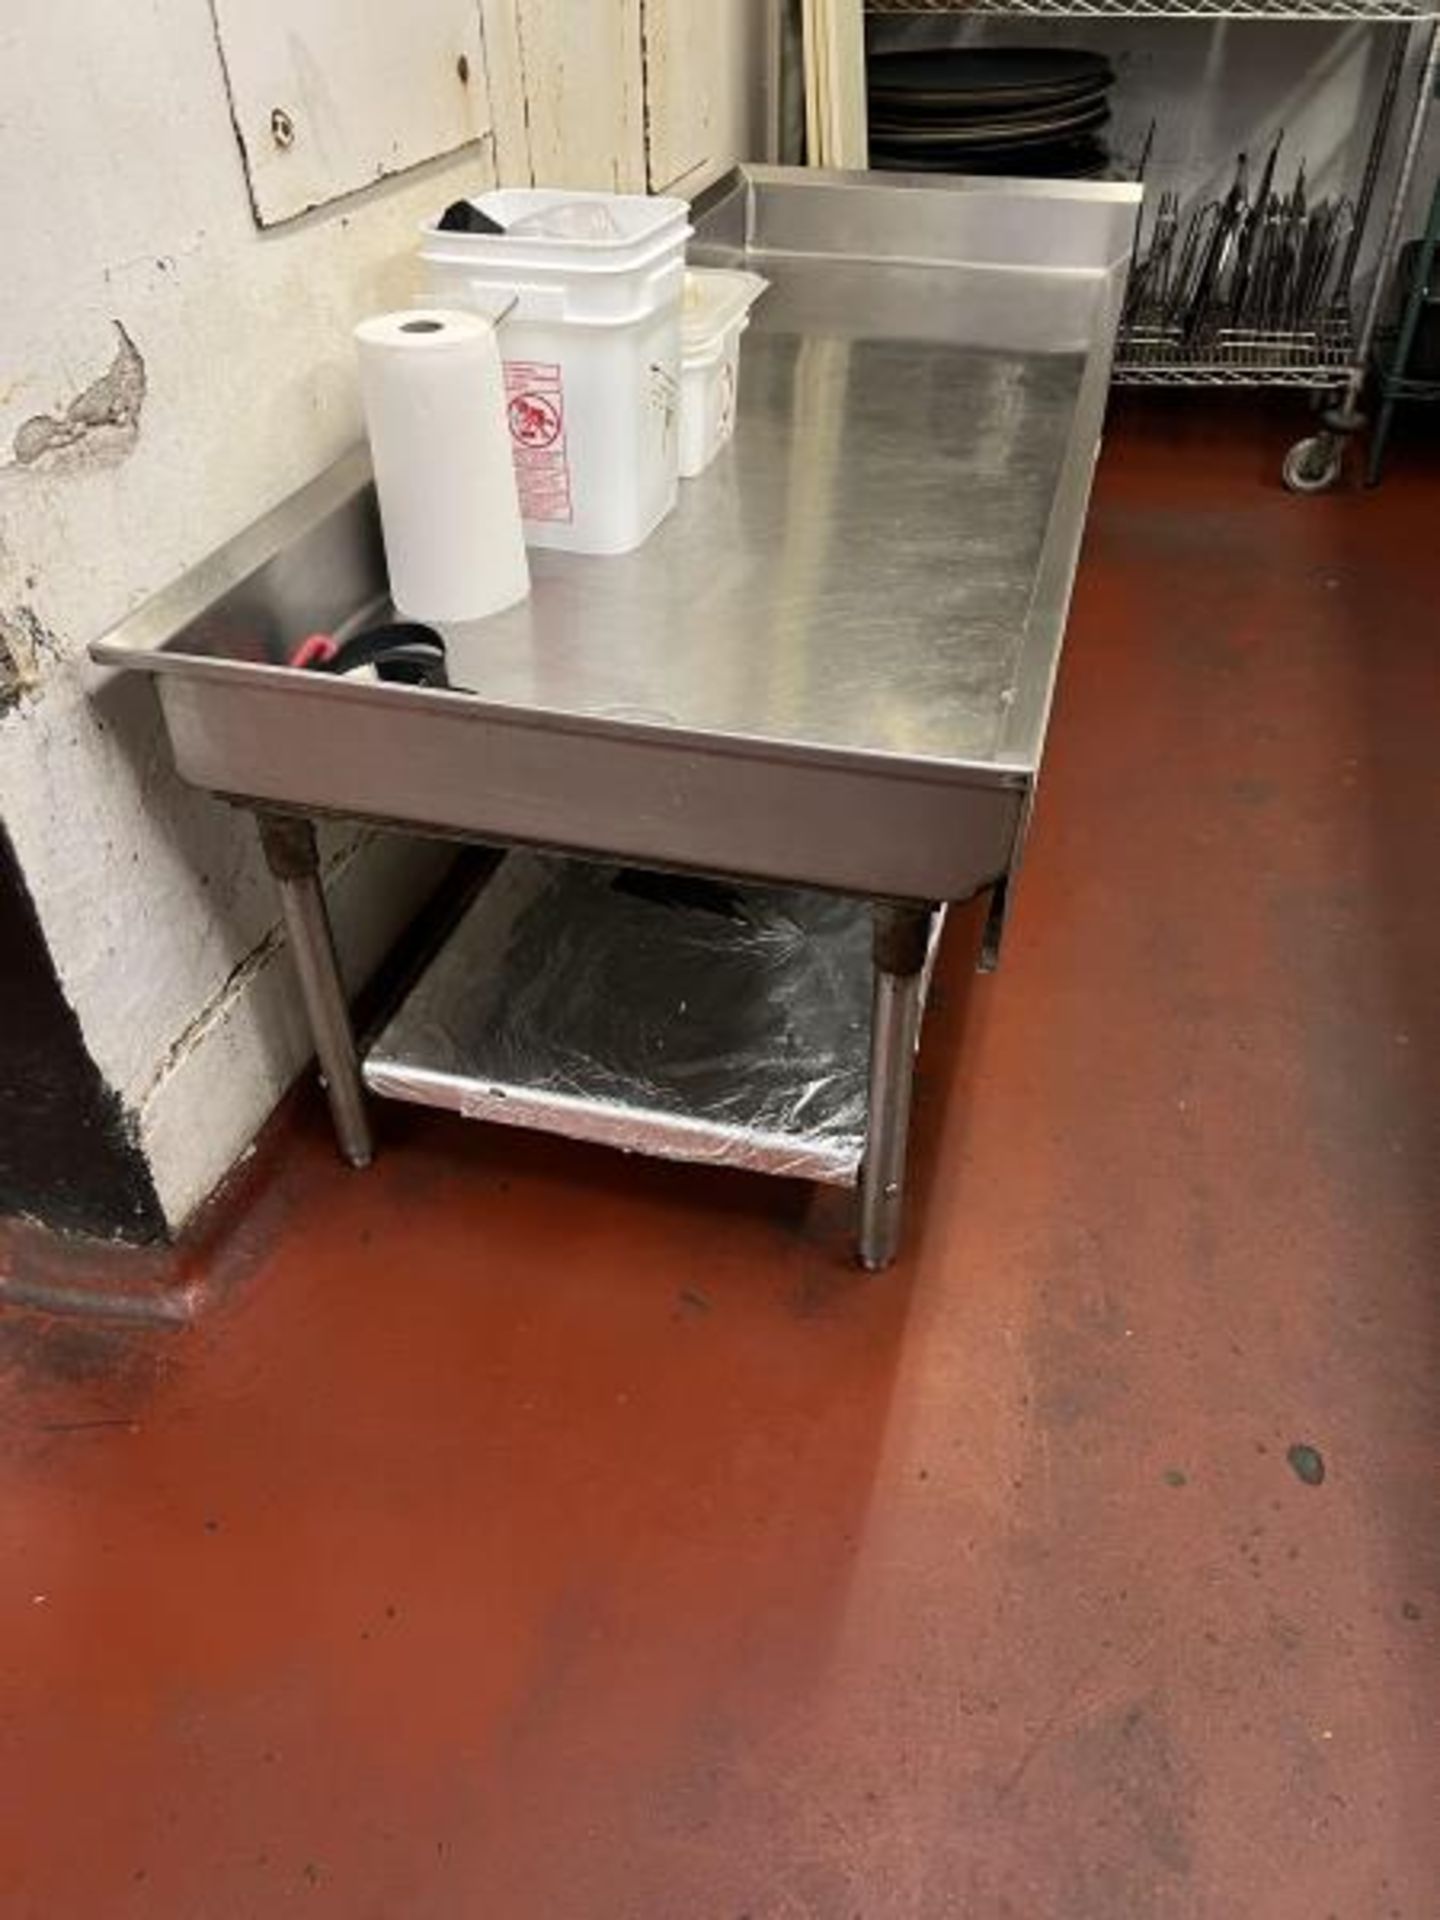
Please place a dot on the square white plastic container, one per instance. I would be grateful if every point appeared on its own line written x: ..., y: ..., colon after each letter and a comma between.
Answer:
x: 715, y: 314
x: 591, y: 349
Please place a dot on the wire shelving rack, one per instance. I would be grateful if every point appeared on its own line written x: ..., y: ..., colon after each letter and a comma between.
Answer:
x: 1332, y: 355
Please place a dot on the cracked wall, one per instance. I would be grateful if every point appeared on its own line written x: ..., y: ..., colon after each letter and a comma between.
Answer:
x: 103, y: 418
x: 25, y: 649
x: 166, y: 375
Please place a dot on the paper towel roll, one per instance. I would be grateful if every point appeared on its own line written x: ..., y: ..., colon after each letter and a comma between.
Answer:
x: 435, y: 410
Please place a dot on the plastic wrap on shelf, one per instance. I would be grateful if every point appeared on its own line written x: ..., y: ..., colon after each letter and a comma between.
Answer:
x: 664, y: 1014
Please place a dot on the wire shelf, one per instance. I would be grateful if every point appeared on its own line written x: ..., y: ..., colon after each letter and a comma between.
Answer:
x: 1235, y: 357
x: 1352, y: 10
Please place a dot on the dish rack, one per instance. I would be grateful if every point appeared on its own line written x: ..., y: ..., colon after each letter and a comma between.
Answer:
x: 1331, y: 357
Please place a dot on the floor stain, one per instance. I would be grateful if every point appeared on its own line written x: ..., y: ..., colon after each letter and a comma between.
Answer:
x: 1125, y: 1765
x: 1307, y: 1462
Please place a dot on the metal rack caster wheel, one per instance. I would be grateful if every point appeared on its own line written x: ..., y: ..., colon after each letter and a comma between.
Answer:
x: 1313, y: 465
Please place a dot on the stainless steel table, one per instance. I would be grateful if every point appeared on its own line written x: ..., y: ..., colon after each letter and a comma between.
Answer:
x: 826, y: 676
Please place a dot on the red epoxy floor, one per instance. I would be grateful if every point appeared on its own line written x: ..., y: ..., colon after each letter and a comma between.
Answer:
x: 530, y: 1533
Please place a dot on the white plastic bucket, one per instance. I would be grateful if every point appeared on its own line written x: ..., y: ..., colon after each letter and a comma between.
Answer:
x: 591, y: 346
x: 716, y: 312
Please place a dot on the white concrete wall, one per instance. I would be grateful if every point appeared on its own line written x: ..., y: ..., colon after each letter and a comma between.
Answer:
x: 167, y: 372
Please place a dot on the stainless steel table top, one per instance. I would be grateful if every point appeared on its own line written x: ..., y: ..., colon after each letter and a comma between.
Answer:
x: 832, y: 665
x: 855, y: 570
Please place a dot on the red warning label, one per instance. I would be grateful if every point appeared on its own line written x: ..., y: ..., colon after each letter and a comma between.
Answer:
x: 535, y: 409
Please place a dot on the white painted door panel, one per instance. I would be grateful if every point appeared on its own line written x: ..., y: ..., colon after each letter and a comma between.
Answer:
x: 330, y: 95
x: 574, y: 69
x: 706, y: 71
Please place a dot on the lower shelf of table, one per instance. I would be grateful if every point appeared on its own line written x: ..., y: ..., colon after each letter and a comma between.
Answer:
x: 685, y: 1018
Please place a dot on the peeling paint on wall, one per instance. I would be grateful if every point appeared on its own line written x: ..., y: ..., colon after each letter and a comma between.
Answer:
x: 24, y: 647
x: 104, y: 419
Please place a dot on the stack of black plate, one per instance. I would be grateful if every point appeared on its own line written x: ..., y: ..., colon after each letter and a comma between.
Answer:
x: 1033, y: 111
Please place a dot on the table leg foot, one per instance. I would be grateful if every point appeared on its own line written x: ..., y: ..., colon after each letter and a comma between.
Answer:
x: 902, y: 939
x: 293, y: 859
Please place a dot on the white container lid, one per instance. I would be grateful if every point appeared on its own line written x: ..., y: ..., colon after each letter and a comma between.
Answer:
x: 633, y: 219
x: 715, y: 298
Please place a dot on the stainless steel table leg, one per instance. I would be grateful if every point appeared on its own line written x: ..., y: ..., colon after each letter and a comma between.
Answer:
x: 293, y: 859
x: 902, y: 939
x: 997, y: 918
